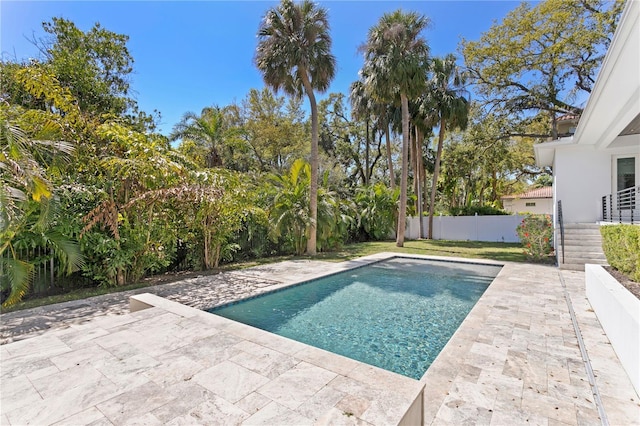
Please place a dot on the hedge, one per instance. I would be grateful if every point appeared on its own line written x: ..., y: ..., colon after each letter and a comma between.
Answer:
x: 621, y: 245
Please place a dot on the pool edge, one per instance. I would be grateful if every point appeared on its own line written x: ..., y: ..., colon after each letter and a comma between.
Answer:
x: 398, y: 399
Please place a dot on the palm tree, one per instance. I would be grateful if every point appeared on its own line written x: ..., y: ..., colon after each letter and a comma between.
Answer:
x: 205, y: 130
x: 294, y: 54
x: 450, y: 109
x: 395, y: 63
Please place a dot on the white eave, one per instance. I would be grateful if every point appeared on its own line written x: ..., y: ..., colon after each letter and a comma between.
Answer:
x: 545, y: 151
x: 615, y: 99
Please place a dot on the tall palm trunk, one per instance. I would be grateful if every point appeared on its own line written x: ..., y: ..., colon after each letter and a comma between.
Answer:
x: 436, y: 172
x: 418, y: 179
x: 392, y: 176
x: 313, y: 188
x: 402, y: 214
x: 366, y: 155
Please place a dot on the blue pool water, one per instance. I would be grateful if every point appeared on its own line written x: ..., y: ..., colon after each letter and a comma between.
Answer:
x: 397, y: 314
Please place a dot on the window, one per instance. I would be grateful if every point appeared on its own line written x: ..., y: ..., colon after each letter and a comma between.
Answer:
x: 530, y: 204
x: 626, y: 173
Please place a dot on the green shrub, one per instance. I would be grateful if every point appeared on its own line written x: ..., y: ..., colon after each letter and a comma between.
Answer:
x: 621, y: 245
x: 479, y: 210
x: 377, y: 205
x: 536, y: 236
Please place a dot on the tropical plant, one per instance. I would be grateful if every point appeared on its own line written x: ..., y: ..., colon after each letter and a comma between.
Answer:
x: 294, y: 54
x: 336, y: 217
x: 450, y: 109
x: 395, y: 71
x: 206, y: 131
x: 27, y: 208
x: 377, y: 206
x: 289, y: 213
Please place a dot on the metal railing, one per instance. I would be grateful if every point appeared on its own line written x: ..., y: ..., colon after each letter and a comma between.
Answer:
x: 621, y: 206
x: 561, y: 225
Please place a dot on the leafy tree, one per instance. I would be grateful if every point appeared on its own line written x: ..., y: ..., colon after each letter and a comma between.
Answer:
x: 362, y: 106
x: 450, y: 110
x: 294, y: 54
x: 540, y: 57
x: 336, y: 217
x: 94, y: 65
x: 395, y: 65
x: 272, y: 128
x: 482, y: 163
x: 138, y: 223
x: 543, y: 180
x: 347, y: 140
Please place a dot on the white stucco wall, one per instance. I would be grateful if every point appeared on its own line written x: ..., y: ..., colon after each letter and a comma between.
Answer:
x: 519, y: 205
x: 582, y: 176
x: 500, y: 228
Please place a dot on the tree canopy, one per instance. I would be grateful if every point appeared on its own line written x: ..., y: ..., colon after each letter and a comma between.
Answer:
x: 541, y: 59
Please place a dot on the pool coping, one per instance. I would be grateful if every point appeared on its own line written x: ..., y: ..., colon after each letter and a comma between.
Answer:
x: 391, y: 398
x: 412, y: 413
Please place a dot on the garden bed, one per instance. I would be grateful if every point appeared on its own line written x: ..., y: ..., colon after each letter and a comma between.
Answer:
x: 625, y: 281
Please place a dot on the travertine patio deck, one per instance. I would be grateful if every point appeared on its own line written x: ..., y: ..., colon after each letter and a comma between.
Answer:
x: 514, y: 360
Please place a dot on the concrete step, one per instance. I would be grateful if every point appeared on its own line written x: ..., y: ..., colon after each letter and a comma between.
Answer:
x: 572, y: 266
x: 575, y: 260
x: 581, y: 233
x: 584, y: 256
x: 576, y: 266
x: 583, y: 242
x: 585, y: 226
x: 596, y: 248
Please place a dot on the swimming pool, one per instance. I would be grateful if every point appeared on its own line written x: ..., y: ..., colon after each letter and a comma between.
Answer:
x: 397, y: 314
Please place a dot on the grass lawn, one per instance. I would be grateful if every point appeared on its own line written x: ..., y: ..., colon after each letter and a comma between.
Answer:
x: 507, y: 252
x: 510, y: 252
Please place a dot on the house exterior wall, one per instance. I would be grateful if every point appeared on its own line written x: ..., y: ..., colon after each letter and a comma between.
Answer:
x: 519, y: 205
x: 582, y: 176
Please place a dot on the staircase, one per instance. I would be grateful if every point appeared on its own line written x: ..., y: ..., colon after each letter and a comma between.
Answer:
x: 582, y: 244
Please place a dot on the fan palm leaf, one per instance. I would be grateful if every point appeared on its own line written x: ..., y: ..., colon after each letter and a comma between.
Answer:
x: 294, y: 55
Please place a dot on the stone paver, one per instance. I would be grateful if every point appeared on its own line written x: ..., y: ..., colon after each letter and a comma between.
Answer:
x: 212, y: 377
x: 515, y: 360
x: 201, y: 292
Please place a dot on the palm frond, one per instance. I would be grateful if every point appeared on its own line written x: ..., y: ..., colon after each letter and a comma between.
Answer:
x: 66, y: 251
x: 19, y: 275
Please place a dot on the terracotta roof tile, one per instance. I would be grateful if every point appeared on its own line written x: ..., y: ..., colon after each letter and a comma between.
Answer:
x: 544, y: 192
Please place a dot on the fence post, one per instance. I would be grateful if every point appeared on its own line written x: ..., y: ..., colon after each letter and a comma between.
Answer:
x: 476, y: 220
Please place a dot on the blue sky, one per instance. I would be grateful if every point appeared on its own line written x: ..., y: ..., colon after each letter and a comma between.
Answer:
x: 189, y: 55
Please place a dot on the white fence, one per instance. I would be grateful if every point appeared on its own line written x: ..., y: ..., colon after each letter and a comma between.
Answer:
x: 467, y: 228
